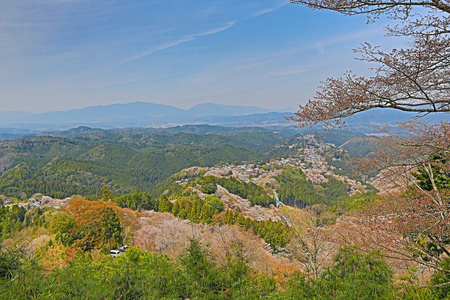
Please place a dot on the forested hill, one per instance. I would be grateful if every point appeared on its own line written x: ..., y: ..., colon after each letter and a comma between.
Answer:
x: 82, y: 160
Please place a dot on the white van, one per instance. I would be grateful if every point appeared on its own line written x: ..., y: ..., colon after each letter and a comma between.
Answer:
x: 115, y: 253
x: 123, y: 248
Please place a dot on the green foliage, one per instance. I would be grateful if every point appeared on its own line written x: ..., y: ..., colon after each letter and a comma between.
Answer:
x: 237, y: 267
x: 135, y: 159
x: 137, y: 201
x: 196, y: 275
x: 194, y: 209
x: 441, y: 279
x: 209, y: 188
x: 342, y: 161
x: 62, y: 225
x: 106, y: 194
x: 254, y: 193
x: 11, y: 220
x: 10, y: 262
x: 366, y: 276
x: 353, y: 276
x: 204, y: 277
x: 333, y: 189
x: 167, y: 186
x: 296, y: 190
x: 213, y: 203
x: 201, y: 173
x: 279, y: 151
x: 206, y: 280
x: 199, y: 210
x: 355, y: 202
x: 111, y: 227
x: 138, y: 275
x: 361, y: 147
x: 60, y: 178
x: 337, y: 137
x: 164, y: 204
x: 441, y: 174
x: 60, y: 167
x: 276, y: 234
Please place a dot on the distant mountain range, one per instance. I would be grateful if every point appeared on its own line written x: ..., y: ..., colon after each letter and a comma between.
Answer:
x: 368, y: 121
x: 151, y: 115
x: 137, y: 114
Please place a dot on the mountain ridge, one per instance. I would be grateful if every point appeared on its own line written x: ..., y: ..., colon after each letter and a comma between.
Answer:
x: 130, y: 114
x: 152, y: 115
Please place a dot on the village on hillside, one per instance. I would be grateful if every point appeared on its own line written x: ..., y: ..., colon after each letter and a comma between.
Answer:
x: 309, y: 159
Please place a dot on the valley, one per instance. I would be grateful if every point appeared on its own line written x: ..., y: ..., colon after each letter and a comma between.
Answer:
x: 283, y: 200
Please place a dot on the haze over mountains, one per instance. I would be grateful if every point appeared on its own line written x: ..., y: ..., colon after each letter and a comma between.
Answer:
x: 151, y: 115
x: 131, y: 114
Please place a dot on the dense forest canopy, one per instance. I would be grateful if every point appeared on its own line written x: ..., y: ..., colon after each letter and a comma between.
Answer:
x: 80, y: 164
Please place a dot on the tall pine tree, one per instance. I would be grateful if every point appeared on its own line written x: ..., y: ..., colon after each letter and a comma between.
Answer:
x: 111, y: 227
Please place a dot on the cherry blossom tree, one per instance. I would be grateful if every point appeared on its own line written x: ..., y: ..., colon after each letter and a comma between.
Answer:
x: 412, y: 226
x: 415, y: 78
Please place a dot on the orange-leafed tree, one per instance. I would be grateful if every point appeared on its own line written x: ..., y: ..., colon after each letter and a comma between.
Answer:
x: 89, y: 229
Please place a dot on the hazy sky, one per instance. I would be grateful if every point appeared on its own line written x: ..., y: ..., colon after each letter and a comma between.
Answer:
x: 65, y: 54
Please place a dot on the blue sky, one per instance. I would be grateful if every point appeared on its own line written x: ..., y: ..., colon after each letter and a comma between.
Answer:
x: 66, y: 54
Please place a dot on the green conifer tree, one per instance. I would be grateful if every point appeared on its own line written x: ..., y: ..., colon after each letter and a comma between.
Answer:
x: 106, y: 193
x: 111, y: 227
x: 176, y: 209
x: 165, y: 205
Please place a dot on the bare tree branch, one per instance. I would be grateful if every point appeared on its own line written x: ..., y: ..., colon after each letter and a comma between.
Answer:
x: 414, y: 79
